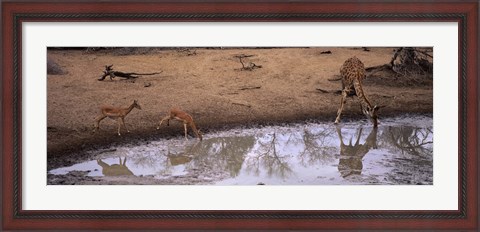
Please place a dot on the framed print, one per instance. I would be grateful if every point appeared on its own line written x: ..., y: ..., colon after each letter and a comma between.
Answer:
x: 222, y: 115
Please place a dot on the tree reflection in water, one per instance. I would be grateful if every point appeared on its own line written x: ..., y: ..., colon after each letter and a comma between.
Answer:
x: 267, y: 157
x: 280, y: 153
x: 409, y: 140
x: 416, y: 147
x: 317, y: 147
x: 223, y: 154
x: 314, y: 153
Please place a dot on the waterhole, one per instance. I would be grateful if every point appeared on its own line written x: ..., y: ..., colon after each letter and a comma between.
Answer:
x: 398, y: 152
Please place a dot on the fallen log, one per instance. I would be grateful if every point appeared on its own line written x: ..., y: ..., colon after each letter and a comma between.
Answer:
x: 112, y: 74
x: 329, y: 91
x: 249, y: 87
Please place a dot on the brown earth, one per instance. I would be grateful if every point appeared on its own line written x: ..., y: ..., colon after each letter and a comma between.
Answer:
x: 210, y: 85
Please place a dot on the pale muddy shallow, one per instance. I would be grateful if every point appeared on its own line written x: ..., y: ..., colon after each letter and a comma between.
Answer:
x: 399, y: 152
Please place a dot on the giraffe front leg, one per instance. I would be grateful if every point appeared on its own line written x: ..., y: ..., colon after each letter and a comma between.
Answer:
x: 339, y: 133
x: 358, y: 136
x: 342, y: 103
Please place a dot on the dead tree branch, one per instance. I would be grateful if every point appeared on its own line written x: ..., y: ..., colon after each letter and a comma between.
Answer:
x: 409, y: 61
x: 329, y: 91
x: 112, y: 74
x: 249, y: 87
x: 251, y: 66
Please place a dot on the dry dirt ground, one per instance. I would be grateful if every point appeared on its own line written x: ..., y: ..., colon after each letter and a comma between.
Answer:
x: 210, y: 85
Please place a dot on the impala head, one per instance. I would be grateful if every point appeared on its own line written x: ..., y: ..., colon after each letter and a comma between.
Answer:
x: 373, y: 115
x: 136, y: 105
x: 200, y: 135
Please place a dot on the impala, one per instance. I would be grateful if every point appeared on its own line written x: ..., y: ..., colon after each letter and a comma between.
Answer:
x: 115, y: 113
x: 119, y: 169
x: 182, y: 116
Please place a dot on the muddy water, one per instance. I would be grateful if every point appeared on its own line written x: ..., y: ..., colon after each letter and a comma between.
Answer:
x: 399, y: 152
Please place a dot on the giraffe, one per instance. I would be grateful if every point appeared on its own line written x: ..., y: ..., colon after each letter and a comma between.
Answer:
x: 353, y: 73
x: 351, y: 155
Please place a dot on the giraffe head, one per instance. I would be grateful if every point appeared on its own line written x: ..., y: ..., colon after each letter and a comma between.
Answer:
x: 372, y: 113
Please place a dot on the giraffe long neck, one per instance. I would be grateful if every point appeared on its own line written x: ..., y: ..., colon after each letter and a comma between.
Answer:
x: 371, y: 140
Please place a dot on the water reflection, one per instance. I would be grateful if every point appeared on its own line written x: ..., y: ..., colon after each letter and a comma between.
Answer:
x: 351, y: 155
x: 180, y: 158
x: 318, y: 147
x: 410, y: 140
x: 299, y: 154
x: 223, y: 154
x: 119, y: 169
x: 268, y: 157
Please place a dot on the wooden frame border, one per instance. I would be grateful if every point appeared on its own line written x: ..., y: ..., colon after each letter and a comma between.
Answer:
x: 14, y: 13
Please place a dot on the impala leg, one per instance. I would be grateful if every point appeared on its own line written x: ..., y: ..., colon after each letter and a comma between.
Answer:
x: 123, y: 122
x: 185, y: 126
x: 163, y: 119
x: 342, y: 103
x: 119, y: 125
x: 96, y: 125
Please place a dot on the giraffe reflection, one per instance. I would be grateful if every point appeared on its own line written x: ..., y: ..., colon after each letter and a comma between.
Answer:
x: 120, y: 169
x: 351, y: 155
